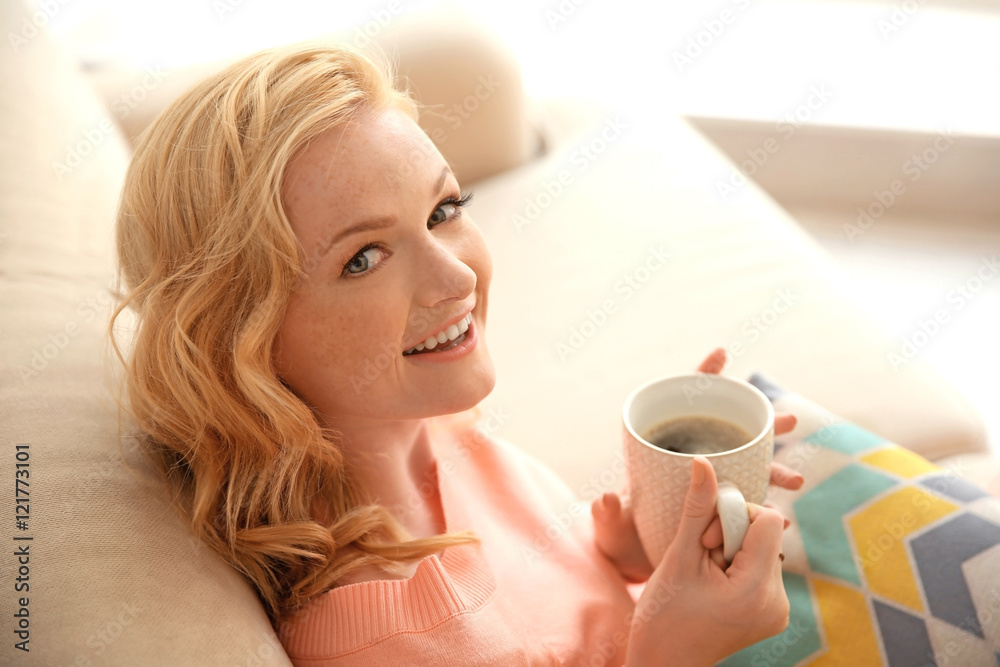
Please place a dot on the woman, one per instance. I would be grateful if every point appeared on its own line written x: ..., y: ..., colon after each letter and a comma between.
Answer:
x: 285, y: 229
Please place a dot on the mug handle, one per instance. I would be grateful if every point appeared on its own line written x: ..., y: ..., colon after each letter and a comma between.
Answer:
x: 735, y: 519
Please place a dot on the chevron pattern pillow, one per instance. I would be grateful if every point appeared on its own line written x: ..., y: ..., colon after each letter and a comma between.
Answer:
x: 890, y: 560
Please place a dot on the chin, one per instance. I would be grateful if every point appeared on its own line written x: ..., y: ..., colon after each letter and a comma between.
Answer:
x: 477, y: 391
x: 469, y: 394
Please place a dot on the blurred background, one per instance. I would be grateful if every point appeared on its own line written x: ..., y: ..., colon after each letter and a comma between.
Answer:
x: 875, y: 124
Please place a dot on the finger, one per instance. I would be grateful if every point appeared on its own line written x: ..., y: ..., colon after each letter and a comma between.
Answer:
x: 713, y: 535
x: 785, y: 477
x: 754, y: 510
x: 616, y: 537
x: 772, y: 506
x: 608, y: 505
x: 607, y: 514
x: 718, y: 557
x: 762, y: 543
x: 784, y: 423
x: 714, y: 362
x: 698, y: 513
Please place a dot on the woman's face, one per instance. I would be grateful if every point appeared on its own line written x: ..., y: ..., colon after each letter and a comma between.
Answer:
x: 393, y: 263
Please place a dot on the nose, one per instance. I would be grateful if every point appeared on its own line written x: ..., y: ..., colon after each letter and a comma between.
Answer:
x: 444, y: 275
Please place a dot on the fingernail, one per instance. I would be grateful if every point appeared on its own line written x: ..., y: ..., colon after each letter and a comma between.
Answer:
x: 698, y: 470
x: 604, y: 501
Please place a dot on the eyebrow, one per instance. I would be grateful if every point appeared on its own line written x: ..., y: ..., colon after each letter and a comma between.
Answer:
x: 374, y: 224
x: 439, y: 186
x: 370, y: 225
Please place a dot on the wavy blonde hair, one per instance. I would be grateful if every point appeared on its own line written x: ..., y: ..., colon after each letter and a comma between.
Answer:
x: 207, y: 260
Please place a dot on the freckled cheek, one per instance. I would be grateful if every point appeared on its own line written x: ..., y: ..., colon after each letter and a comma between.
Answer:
x: 358, y: 337
x: 292, y: 353
x: 306, y: 334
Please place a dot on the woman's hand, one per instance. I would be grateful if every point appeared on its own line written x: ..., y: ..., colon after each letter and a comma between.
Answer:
x: 614, y: 525
x: 693, y: 611
x: 781, y: 475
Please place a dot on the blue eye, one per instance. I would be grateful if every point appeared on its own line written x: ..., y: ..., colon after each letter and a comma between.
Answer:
x: 367, y: 259
x: 448, y: 209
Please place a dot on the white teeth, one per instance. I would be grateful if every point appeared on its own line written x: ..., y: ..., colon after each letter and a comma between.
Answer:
x: 442, y: 337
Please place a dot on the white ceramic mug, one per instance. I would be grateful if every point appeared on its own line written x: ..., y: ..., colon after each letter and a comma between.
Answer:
x: 659, y: 479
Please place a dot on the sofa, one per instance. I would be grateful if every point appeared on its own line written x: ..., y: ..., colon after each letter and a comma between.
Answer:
x: 614, y: 263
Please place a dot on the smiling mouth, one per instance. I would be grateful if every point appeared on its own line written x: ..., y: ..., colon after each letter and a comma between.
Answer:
x: 443, y: 340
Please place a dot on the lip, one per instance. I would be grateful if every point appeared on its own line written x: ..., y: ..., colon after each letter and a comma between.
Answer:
x: 463, y: 349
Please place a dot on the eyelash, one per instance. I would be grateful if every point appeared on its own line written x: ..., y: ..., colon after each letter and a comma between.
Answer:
x: 364, y: 249
x: 458, y: 203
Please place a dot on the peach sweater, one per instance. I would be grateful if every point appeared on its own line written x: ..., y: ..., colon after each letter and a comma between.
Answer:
x: 534, y: 592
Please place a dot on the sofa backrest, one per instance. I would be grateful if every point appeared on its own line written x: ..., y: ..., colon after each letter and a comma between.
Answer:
x: 107, y: 572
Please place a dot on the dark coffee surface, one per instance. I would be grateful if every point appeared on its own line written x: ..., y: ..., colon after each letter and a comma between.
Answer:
x: 697, y: 434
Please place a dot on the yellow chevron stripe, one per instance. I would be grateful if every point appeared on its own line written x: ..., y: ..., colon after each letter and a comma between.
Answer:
x: 850, y: 637
x: 900, y: 462
x: 880, y: 533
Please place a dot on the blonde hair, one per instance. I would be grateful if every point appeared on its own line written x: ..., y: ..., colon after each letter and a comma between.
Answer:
x: 207, y: 261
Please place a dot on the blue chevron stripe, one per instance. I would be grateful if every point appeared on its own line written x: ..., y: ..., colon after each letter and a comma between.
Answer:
x: 904, y: 637
x: 939, y: 554
x: 954, y: 487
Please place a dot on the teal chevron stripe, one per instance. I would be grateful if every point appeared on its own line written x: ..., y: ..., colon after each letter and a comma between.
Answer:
x: 939, y: 554
x: 846, y: 437
x: 820, y: 514
x: 799, y: 641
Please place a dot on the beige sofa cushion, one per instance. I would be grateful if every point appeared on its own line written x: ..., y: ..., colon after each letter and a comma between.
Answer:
x: 583, y: 309
x: 114, y: 578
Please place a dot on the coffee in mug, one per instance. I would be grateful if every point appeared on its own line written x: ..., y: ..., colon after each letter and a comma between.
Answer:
x: 697, y: 434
